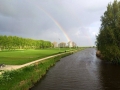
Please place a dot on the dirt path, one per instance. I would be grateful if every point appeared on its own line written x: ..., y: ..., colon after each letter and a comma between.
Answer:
x: 14, y: 67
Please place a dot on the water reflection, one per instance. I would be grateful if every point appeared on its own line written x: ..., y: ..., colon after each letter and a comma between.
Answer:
x: 110, y: 76
x: 81, y: 71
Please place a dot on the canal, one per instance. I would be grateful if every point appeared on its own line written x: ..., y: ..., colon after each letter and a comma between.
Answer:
x: 81, y: 71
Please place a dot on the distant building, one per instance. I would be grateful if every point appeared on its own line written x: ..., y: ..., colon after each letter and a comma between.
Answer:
x: 62, y: 44
x: 74, y: 44
x: 71, y: 44
x: 55, y: 44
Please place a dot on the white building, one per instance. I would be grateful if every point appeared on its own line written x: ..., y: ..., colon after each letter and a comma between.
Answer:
x: 55, y: 44
x: 62, y: 44
x: 71, y: 44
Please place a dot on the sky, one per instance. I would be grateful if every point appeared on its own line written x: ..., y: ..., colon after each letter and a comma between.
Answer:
x: 53, y: 20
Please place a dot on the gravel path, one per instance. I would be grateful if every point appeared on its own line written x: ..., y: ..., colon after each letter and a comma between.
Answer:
x: 14, y: 67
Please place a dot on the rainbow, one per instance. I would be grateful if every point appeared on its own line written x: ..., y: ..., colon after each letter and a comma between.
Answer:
x: 58, y: 25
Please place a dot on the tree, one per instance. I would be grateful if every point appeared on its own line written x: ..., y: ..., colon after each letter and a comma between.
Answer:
x: 108, y: 39
x: 14, y: 42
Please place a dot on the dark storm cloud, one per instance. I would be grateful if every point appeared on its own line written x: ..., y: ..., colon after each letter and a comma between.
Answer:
x: 37, y: 19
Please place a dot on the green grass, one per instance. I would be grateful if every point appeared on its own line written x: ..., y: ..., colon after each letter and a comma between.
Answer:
x: 20, y: 57
x: 26, y: 77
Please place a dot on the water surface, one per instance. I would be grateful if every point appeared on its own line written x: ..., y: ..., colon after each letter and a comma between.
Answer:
x: 81, y: 71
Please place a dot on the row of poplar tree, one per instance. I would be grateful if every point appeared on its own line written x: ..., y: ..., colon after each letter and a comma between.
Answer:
x: 14, y: 42
x: 108, y: 39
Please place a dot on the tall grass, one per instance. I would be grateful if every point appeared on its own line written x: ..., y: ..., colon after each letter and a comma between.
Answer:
x: 26, y: 77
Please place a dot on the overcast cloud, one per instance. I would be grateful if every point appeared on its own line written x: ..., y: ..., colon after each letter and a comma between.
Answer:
x: 80, y: 19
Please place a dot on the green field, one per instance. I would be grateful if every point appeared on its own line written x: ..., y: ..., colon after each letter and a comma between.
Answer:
x: 20, y: 57
x: 25, y: 78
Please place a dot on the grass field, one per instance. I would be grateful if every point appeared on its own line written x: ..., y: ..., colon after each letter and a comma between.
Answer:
x: 25, y: 78
x: 20, y: 57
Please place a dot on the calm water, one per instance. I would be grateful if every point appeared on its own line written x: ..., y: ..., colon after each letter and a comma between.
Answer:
x: 81, y: 71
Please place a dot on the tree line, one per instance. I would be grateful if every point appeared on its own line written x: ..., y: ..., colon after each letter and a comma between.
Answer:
x: 108, y: 39
x: 14, y: 42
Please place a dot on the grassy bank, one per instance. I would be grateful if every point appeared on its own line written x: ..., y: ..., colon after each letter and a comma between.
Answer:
x: 20, y: 57
x: 26, y: 77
